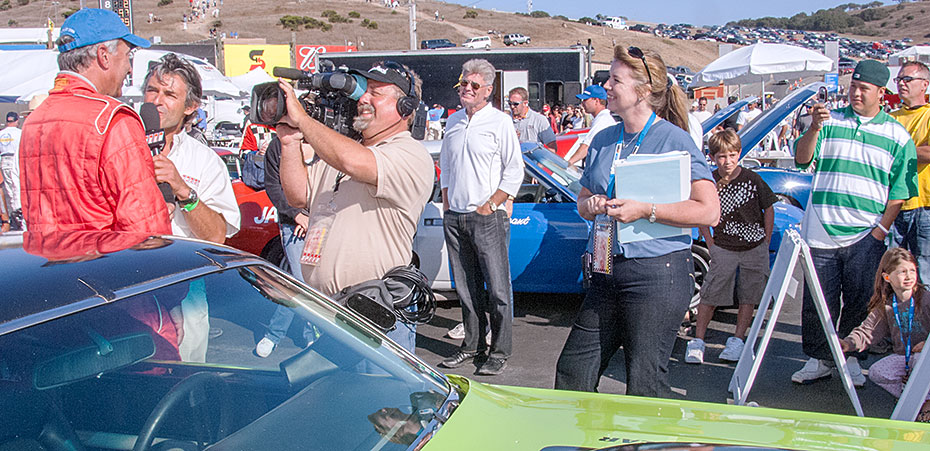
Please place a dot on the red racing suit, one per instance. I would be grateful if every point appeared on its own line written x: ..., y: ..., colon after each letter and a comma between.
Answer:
x: 85, y: 165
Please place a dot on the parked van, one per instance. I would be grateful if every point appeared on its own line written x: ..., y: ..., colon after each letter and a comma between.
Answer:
x: 615, y: 22
x: 478, y: 42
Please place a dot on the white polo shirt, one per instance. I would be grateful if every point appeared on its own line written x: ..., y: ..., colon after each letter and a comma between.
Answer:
x: 204, y: 171
x: 479, y: 156
x: 603, y: 120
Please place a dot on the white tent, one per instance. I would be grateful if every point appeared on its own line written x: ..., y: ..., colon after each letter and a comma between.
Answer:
x: 916, y: 53
x: 214, y: 83
x: 247, y: 80
x: 763, y: 62
x: 26, y: 72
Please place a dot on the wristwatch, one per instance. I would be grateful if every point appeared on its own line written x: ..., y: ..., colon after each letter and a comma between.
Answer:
x: 189, y: 203
x: 652, y: 215
x: 492, y: 206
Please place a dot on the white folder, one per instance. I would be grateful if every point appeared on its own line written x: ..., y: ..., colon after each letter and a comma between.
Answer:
x: 654, y: 179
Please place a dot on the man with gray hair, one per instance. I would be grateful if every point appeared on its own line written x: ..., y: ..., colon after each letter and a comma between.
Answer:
x: 84, y: 161
x: 481, y: 169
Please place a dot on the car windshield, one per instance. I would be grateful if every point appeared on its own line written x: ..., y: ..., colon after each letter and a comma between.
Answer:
x: 556, y: 167
x: 177, y: 365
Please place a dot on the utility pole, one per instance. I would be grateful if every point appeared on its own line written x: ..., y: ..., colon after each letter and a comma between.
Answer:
x: 413, y: 25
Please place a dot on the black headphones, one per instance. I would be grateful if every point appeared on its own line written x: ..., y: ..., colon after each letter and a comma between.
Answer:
x: 406, y: 105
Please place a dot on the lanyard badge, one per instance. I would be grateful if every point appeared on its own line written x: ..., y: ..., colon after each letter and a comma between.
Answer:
x: 322, y: 218
x: 603, y: 244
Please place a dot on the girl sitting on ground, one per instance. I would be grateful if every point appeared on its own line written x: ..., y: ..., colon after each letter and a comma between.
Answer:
x: 899, y: 309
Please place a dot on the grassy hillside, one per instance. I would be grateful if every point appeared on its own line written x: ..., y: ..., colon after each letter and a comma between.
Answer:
x: 261, y: 19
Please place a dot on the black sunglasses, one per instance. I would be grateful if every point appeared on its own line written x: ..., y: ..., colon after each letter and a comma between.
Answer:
x: 907, y: 79
x: 636, y: 52
x: 513, y: 104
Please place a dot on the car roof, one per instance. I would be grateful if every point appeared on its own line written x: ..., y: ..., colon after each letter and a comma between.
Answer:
x: 50, y: 275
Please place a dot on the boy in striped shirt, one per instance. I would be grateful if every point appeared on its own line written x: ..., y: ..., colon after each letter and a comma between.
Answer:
x: 865, y: 167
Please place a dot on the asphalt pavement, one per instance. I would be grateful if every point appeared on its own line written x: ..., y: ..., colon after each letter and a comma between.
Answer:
x: 542, y: 323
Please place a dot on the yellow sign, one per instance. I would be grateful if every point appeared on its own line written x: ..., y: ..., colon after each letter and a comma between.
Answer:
x: 242, y: 58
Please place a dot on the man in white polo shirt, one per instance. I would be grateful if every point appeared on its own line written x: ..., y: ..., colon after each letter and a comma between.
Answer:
x: 481, y: 169
x: 594, y: 102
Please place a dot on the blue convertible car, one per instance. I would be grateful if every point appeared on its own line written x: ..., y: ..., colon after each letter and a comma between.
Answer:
x: 548, y: 237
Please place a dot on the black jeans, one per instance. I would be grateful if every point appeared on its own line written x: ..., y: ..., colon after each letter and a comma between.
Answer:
x: 478, y: 255
x: 846, y: 273
x: 639, y: 307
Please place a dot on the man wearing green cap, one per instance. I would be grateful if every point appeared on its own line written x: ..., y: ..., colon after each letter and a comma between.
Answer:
x: 84, y: 161
x: 865, y: 167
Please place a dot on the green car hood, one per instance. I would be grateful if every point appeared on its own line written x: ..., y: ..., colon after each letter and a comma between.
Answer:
x: 518, y: 418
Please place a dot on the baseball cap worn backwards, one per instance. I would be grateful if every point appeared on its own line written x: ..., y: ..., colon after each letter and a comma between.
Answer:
x: 12, y: 116
x: 871, y: 71
x: 93, y: 25
x: 593, y: 91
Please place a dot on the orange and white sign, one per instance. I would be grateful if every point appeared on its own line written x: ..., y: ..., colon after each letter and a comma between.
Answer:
x: 307, y: 55
x: 242, y: 58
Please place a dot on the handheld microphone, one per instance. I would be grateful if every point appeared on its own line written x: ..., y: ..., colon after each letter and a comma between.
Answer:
x: 155, y: 138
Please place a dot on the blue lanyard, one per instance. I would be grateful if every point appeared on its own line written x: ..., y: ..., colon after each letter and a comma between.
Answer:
x: 910, y: 324
x: 642, y: 134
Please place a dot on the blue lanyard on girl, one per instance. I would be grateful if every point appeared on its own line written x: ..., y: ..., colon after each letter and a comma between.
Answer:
x: 639, y: 140
x: 910, y: 323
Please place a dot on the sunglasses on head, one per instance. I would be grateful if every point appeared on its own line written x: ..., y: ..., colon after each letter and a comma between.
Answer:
x: 907, y: 79
x: 636, y: 52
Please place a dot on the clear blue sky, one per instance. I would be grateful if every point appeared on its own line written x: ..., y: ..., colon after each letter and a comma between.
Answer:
x: 696, y: 12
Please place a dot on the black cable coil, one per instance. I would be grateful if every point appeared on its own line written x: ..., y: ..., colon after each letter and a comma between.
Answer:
x: 415, y: 291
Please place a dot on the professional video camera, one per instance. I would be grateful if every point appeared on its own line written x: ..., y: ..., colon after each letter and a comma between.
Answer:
x: 331, y: 99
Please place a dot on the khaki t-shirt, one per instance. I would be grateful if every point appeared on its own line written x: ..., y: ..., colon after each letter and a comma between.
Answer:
x: 374, y: 225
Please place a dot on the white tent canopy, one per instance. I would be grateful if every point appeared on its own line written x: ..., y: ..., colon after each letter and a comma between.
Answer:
x: 763, y: 62
x: 916, y: 53
x: 26, y: 72
x: 214, y: 83
x: 246, y: 81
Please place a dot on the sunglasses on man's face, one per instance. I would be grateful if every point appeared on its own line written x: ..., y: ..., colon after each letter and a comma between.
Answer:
x: 473, y: 84
x: 907, y: 79
x: 636, y: 52
x: 514, y: 104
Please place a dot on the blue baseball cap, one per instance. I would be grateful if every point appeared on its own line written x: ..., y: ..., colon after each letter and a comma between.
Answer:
x: 94, y: 25
x: 593, y: 91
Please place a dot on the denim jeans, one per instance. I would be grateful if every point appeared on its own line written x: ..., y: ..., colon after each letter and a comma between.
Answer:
x: 639, y: 307
x: 478, y: 255
x: 847, y: 274
x: 282, y: 317
x: 912, y: 232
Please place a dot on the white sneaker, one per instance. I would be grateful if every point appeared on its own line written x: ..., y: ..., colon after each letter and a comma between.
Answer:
x: 264, y: 347
x: 457, y: 332
x: 733, y: 350
x: 814, y: 370
x: 695, y: 351
x: 855, y: 371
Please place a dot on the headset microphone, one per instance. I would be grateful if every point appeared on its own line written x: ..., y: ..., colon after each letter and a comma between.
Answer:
x: 155, y: 138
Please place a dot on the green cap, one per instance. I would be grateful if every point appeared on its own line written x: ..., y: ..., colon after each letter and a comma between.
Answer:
x: 871, y: 71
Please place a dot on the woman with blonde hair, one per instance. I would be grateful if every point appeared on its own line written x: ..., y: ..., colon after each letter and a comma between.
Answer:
x: 639, y: 301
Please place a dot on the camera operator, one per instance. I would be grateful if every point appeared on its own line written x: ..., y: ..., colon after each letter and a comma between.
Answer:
x: 365, y: 196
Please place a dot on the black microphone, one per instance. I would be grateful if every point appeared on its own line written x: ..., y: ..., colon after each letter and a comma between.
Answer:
x: 289, y: 73
x: 155, y: 138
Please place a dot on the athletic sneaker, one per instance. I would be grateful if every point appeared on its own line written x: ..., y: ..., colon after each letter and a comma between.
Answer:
x: 695, y: 351
x: 264, y: 347
x: 855, y: 371
x: 733, y: 350
x: 457, y: 332
x: 814, y: 370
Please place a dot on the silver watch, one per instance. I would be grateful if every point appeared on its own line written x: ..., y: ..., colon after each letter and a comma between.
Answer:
x: 493, y: 206
x: 652, y: 215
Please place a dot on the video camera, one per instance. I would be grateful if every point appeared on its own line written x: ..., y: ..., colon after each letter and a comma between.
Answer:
x: 332, y: 98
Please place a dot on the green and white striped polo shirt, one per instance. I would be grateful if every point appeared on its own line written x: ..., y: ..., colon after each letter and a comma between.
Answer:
x: 859, y: 167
